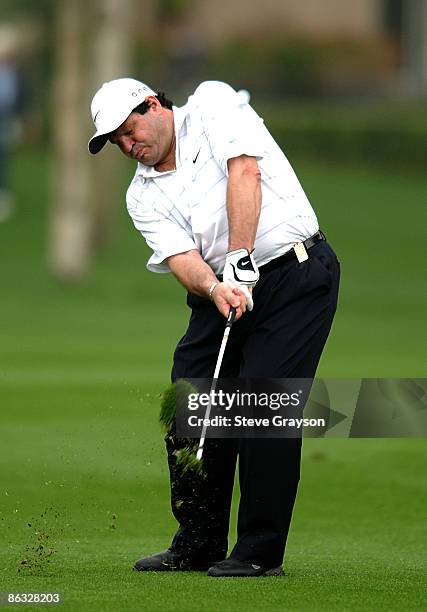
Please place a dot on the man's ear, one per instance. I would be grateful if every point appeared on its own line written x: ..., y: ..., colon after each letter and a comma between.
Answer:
x: 152, y: 101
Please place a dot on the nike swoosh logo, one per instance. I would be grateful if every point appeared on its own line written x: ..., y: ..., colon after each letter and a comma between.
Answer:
x: 234, y: 272
x: 245, y: 264
x: 256, y: 567
x: 195, y: 159
x: 94, y: 119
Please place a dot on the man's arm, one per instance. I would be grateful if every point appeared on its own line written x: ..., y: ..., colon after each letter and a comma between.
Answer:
x: 243, y: 202
x: 243, y: 210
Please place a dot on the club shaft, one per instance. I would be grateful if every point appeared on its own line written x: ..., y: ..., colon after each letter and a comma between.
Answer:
x: 229, y: 323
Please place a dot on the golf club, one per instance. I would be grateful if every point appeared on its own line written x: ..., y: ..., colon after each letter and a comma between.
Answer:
x: 228, y: 325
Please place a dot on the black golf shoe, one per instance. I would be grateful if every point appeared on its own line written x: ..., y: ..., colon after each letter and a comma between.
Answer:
x: 234, y: 568
x: 169, y: 561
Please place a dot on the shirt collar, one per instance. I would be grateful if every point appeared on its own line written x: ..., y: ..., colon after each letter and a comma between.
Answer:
x: 179, y: 115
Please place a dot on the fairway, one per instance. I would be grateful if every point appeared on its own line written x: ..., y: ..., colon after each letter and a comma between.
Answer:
x: 83, y: 466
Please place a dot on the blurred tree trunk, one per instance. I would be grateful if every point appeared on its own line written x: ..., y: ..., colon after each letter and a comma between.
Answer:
x: 111, y: 58
x: 93, y: 45
x: 71, y: 222
x: 414, y: 46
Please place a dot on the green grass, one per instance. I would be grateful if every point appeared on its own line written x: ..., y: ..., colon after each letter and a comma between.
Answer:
x: 91, y: 461
x: 82, y: 458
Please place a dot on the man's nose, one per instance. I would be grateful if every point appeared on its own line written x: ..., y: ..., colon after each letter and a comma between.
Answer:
x: 126, y: 144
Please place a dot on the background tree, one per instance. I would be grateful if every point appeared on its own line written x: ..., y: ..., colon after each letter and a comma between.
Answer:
x: 93, y: 45
x: 71, y: 218
x: 110, y: 57
x: 414, y: 47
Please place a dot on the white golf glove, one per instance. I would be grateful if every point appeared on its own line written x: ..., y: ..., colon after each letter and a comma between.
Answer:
x: 241, y: 271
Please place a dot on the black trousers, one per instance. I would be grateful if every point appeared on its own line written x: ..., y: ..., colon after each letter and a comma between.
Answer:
x: 282, y: 337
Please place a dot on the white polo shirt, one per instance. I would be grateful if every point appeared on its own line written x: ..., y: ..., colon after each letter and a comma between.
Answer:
x: 185, y: 208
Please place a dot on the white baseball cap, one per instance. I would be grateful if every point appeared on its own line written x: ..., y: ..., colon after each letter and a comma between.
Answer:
x: 111, y: 106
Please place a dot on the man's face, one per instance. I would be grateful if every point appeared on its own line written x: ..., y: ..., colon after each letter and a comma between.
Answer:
x: 146, y: 138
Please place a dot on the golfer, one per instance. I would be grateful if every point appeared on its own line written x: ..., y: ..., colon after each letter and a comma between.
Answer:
x: 219, y: 205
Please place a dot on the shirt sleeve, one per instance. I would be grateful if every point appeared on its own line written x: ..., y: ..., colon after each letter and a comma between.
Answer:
x: 232, y: 126
x: 163, y: 235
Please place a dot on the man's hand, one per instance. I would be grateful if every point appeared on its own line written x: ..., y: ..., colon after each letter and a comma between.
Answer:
x: 240, y: 271
x: 198, y: 278
x: 225, y: 296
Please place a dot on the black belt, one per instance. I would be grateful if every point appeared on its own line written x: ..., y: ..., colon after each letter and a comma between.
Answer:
x: 290, y: 255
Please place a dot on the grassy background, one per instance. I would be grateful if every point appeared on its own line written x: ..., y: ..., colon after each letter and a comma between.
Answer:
x: 82, y: 463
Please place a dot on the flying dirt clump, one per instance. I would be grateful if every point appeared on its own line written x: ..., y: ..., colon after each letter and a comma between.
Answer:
x: 40, y: 549
x: 186, y: 457
x: 113, y: 523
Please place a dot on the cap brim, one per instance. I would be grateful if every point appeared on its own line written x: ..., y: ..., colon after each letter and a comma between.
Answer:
x: 97, y: 142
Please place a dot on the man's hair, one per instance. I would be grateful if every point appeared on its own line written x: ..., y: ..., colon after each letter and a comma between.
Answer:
x: 161, y: 96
